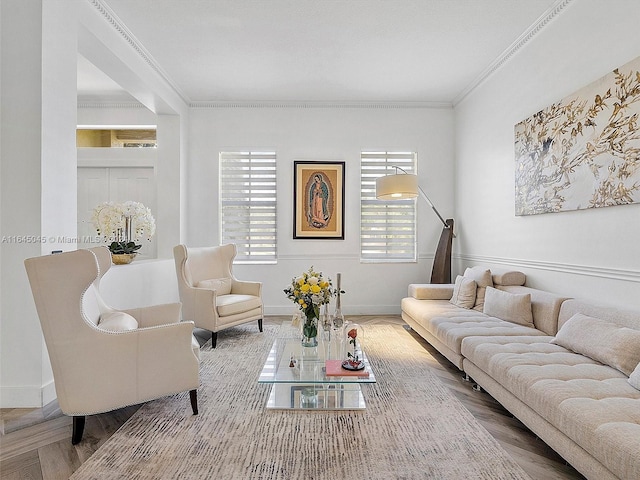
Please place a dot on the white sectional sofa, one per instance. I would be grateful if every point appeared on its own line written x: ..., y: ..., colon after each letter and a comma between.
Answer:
x: 569, y: 371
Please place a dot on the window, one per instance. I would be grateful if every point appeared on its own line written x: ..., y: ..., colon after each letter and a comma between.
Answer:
x: 143, y: 137
x: 387, y: 228
x: 248, y: 204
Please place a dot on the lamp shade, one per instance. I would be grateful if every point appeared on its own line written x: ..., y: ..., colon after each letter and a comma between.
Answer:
x: 397, y: 187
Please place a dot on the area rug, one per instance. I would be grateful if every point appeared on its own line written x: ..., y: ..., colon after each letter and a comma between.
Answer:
x: 413, y: 427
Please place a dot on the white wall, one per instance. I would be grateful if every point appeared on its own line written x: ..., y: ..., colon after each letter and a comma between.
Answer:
x: 335, y: 134
x: 585, y: 254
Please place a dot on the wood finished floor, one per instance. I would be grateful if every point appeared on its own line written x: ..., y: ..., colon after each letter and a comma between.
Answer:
x: 35, y: 444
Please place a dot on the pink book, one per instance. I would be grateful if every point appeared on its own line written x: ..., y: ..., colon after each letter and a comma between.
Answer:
x: 333, y: 368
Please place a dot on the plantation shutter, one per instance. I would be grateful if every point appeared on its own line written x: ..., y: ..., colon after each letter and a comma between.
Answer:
x: 387, y: 228
x: 248, y: 204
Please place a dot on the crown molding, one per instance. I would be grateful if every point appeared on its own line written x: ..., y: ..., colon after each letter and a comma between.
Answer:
x: 290, y: 104
x: 551, y: 13
x: 107, y: 104
x: 320, y: 104
x: 110, y: 16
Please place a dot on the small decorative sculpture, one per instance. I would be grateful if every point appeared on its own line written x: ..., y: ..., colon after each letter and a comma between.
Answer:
x: 353, y: 361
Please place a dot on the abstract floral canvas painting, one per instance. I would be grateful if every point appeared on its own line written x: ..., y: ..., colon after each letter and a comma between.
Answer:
x: 583, y: 151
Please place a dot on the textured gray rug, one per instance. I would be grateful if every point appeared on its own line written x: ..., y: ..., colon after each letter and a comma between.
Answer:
x: 413, y: 426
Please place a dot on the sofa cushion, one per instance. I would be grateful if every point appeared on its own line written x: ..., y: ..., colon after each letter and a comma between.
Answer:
x: 545, y: 307
x: 634, y: 378
x: 508, y: 278
x: 464, y: 292
x: 222, y: 286
x: 482, y: 277
x: 581, y: 397
x: 623, y: 317
x: 117, y: 322
x: 452, y: 330
x: 423, y: 312
x: 507, y: 306
x: 606, y: 342
x: 520, y: 361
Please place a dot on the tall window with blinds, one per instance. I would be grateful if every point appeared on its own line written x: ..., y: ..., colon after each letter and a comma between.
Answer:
x: 248, y: 205
x: 387, y: 228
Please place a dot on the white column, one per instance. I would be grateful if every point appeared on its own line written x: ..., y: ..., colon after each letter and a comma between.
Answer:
x: 168, y: 183
x: 37, y: 176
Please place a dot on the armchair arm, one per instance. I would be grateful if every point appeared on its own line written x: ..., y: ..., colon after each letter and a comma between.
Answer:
x: 200, y: 308
x: 431, y: 291
x: 166, y: 360
x: 114, y: 369
x: 156, y: 315
x: 242, y: 287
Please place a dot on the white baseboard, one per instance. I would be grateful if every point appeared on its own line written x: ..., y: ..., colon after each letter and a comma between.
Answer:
x: 48, y: 393
x: 346, y: 310
x: 28, y: 396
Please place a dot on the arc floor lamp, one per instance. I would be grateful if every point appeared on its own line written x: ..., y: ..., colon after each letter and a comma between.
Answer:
x: 404, y: 185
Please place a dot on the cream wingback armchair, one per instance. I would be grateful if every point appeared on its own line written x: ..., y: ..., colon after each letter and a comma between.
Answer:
x: 102, y: 358
x: 211, y: 296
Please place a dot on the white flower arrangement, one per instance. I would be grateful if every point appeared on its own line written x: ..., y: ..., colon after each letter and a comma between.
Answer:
x: 123, y: 224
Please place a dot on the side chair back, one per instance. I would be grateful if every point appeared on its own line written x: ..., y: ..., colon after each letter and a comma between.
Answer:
x: 208, y: 262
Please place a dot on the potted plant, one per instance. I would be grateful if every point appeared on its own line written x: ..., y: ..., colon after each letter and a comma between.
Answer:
x: 123, y: 225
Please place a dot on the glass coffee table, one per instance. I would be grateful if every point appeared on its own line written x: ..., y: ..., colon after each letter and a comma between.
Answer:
x: 299, y: 379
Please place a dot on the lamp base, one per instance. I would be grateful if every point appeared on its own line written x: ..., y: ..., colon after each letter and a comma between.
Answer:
x: 441, y: 272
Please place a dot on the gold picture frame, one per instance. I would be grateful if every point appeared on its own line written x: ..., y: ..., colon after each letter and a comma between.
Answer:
x: 318, y: 200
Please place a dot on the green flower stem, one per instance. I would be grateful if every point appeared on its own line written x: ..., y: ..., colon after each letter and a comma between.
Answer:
x: 310, y: 328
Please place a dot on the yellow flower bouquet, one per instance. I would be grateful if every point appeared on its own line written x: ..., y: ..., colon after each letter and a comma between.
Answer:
x: 309, y: 291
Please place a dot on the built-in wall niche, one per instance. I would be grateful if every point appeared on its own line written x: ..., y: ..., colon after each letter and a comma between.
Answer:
x: 116, y: 138
x: 115, y: 173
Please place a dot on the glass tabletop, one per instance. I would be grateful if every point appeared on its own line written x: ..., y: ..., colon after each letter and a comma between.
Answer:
x: 289, y: 362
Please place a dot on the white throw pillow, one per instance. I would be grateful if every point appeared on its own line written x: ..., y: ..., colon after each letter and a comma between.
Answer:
x: 117, y: 322
x: 222, y: 286
x: 603, y: 341
x: 512, y: 307
x: 634, y: 378
x: 483, y: 279
x: 464, y: 292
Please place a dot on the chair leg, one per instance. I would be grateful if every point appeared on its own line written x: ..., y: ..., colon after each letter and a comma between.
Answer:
x: 214, y: 339
x: 78, y: 429
x: 260, y: 324
x: 193, y: 395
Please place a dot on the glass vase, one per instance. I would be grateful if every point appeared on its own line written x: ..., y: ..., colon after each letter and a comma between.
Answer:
x: 338, y: 318
x: 325, y: 323
x: 309, y: 330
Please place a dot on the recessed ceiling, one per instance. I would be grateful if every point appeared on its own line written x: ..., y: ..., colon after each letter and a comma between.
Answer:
x: 325, y: 51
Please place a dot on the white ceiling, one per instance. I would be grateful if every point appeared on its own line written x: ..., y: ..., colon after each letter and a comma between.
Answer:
x: 320, y: 50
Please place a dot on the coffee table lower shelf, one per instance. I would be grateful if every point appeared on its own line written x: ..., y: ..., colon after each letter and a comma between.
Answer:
x: 287, y: 396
